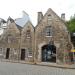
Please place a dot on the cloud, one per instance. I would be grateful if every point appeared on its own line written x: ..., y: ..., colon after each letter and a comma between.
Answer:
x: 14, y: 8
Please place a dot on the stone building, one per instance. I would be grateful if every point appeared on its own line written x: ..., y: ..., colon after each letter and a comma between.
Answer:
x: 27, y: 42
x: 3, y: 25
x: 49, y: 41
x: 52, y: 39
x: 10, y: 40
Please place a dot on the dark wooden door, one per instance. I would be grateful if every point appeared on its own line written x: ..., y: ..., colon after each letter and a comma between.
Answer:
x: 7, y: 53
x: 22, y: 54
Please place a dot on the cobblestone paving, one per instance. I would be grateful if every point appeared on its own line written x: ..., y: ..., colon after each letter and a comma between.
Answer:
x: 7, y: 68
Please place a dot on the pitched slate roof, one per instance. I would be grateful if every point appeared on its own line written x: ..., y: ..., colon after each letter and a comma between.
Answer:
x: 22, y: 21
x: 19, y: 27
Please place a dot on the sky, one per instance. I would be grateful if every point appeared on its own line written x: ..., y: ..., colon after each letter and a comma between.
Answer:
x: 14, y: 8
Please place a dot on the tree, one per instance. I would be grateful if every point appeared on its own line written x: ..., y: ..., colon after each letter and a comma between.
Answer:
x: 71, y: 24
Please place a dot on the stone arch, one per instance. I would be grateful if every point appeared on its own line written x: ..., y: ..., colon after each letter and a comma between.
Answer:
x: 48, y: 53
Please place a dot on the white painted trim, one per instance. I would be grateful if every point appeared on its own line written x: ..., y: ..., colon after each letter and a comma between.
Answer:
x: 48, y: 36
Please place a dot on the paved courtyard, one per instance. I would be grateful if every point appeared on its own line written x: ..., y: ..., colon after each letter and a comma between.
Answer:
x: 7, y: 68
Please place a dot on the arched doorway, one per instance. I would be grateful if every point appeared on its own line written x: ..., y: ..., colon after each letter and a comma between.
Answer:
x: 49, y: 53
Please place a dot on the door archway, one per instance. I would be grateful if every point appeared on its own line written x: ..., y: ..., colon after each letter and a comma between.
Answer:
x: 22, y: 54
x: 48, y: 53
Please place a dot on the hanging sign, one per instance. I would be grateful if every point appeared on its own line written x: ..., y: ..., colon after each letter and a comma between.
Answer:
x: 73, y: 50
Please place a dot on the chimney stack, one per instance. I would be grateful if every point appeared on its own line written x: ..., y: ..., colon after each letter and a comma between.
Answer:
x: 63, y: 16
x: 40, y: 16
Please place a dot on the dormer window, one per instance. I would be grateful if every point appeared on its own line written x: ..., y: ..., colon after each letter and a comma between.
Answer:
x: 48, y: 31
x: 28, y: 34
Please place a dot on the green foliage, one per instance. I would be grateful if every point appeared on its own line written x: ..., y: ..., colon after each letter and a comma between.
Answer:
x: 71, y: 24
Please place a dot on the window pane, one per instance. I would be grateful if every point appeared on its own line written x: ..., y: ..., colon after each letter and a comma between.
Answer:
x: 48, y: 31
x: 28, y: 34
x: 29, y: 53
x: 49, y: 17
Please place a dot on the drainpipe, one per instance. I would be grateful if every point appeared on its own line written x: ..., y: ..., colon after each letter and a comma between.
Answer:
x: 34, y: 49
x: 19, y: 45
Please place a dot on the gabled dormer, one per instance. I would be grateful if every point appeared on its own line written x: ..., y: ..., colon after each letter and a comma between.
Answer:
x: 50, y: 18
x: 28, y: 30
x: 10, y: 20
x: 27, y: 38
x: 12, y: 27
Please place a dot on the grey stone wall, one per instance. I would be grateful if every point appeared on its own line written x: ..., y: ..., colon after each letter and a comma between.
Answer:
x: 33, y: 39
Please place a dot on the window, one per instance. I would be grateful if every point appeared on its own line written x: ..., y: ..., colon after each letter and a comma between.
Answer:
x: 29, y: 53
x: 49, y: 17
x: 0, y: 51
x: 48, y: 31
x: 15, y: 51
x: 11, y: 39
x: 28, y: 34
